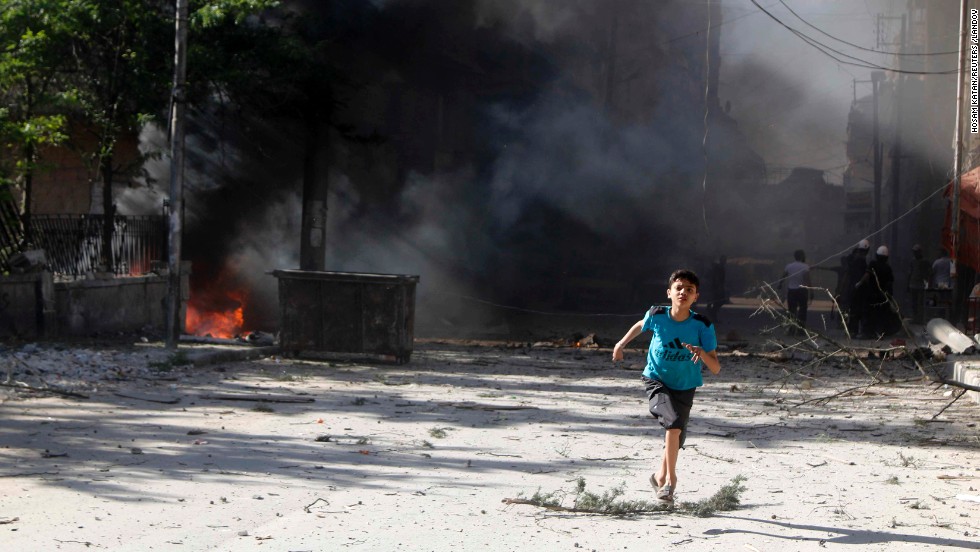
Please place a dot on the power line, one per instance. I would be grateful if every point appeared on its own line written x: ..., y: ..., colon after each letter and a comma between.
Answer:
x: 858, y: 46
x: 710, y: 27
x: 825, y: 50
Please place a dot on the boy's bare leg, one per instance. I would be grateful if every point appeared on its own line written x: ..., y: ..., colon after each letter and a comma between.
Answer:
x: 668, y: 466
x: 661, y: 476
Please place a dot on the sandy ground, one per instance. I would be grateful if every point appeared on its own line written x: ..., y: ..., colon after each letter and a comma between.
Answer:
x: 371, y: 456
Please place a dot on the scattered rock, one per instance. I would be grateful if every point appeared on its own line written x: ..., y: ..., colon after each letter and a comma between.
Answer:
x: 81, y: 369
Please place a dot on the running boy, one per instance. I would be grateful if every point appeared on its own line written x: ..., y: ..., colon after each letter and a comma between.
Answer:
x: 682, y: 342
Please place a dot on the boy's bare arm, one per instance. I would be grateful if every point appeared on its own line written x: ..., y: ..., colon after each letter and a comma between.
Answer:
x: 710, y: 358
x: 636, y: 330
x: 712, y: 362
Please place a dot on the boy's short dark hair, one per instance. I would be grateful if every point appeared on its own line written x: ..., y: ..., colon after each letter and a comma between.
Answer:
x: 684, y: 274
x: 799, y: 255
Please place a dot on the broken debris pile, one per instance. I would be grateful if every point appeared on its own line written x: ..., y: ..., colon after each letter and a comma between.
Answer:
x: 77, y: 369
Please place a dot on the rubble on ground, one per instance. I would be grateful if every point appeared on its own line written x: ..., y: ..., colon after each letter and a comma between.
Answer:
x: 80, y: 369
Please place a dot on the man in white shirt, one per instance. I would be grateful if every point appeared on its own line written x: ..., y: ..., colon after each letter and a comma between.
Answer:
x: 942, y: 272
x: 797, y: 279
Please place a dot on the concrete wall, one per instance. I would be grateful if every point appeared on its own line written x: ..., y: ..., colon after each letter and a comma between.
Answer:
x: 27, y: 305
x: 31, y: 306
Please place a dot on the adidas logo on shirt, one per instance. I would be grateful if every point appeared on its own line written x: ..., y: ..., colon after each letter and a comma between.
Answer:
x: 674, y: 351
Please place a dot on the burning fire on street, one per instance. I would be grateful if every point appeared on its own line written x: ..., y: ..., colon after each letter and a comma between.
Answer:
x: 217, y: 314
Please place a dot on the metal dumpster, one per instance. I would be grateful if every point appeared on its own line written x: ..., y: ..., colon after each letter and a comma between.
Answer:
x: 347, y: 312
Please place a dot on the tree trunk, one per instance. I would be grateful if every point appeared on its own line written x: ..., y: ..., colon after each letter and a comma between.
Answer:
x: 29, y: 154
x: 109, y: 213
x: 312, y: 251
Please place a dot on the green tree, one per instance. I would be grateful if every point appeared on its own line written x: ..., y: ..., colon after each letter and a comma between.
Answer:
x: 114, y: 61
x: 123, y: 66
x: 117, y: 72
x: 33, y: 107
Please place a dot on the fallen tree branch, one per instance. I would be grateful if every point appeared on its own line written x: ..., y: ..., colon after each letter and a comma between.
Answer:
x: 719, y: 458
x: 258, y: 398
x: 585, y: 502
x: 170, y: 400
x: 311, y: 504
x: 961, y: 385
x: 559, y: 508
x: 851, y: 390
x: 810, y: 334
x: 943, y: 409
x: 766, y: 305
x: 499, y: 455
x: 55, y: 390
x: 488, y: 407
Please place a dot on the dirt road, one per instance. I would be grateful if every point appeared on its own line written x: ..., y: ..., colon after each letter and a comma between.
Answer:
x: 346, y: 454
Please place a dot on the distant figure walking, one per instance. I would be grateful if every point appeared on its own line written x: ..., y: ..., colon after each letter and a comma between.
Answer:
x: 853, y: 298
x: 879, y: 281
x: 942, y: 272
x: 796, y: 276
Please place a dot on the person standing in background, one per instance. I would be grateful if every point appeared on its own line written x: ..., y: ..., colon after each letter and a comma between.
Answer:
x: 854, y: 297
x: 942, y: 272
x: 797, y: 279
x: 879, y: 281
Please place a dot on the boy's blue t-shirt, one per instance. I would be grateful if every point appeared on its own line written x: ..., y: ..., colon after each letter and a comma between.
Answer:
x: 668, y: 360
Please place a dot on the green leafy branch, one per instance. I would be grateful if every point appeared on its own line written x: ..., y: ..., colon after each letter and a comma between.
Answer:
x: 610, y: 503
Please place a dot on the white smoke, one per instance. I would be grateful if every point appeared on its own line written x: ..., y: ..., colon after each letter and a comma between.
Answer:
x: 790, y: 99
x: 574, y: 158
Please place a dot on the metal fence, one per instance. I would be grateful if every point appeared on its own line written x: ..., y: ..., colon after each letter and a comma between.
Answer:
x: 11, y: 233
x: 73, y: 243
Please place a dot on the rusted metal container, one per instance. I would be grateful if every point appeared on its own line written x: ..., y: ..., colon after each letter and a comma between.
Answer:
x: 347, y: 312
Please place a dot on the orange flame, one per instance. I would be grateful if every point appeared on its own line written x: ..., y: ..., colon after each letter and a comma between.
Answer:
x: 216, y: 323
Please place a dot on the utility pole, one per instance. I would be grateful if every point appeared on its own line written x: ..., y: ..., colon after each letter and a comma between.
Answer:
x: 896, y: 153
x: 958, y: 153
x: 313, y: 234
x: 174, y: 238
x: 876, y: 78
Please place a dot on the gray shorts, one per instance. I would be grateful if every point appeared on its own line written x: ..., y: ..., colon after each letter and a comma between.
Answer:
x: 672, y: 408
